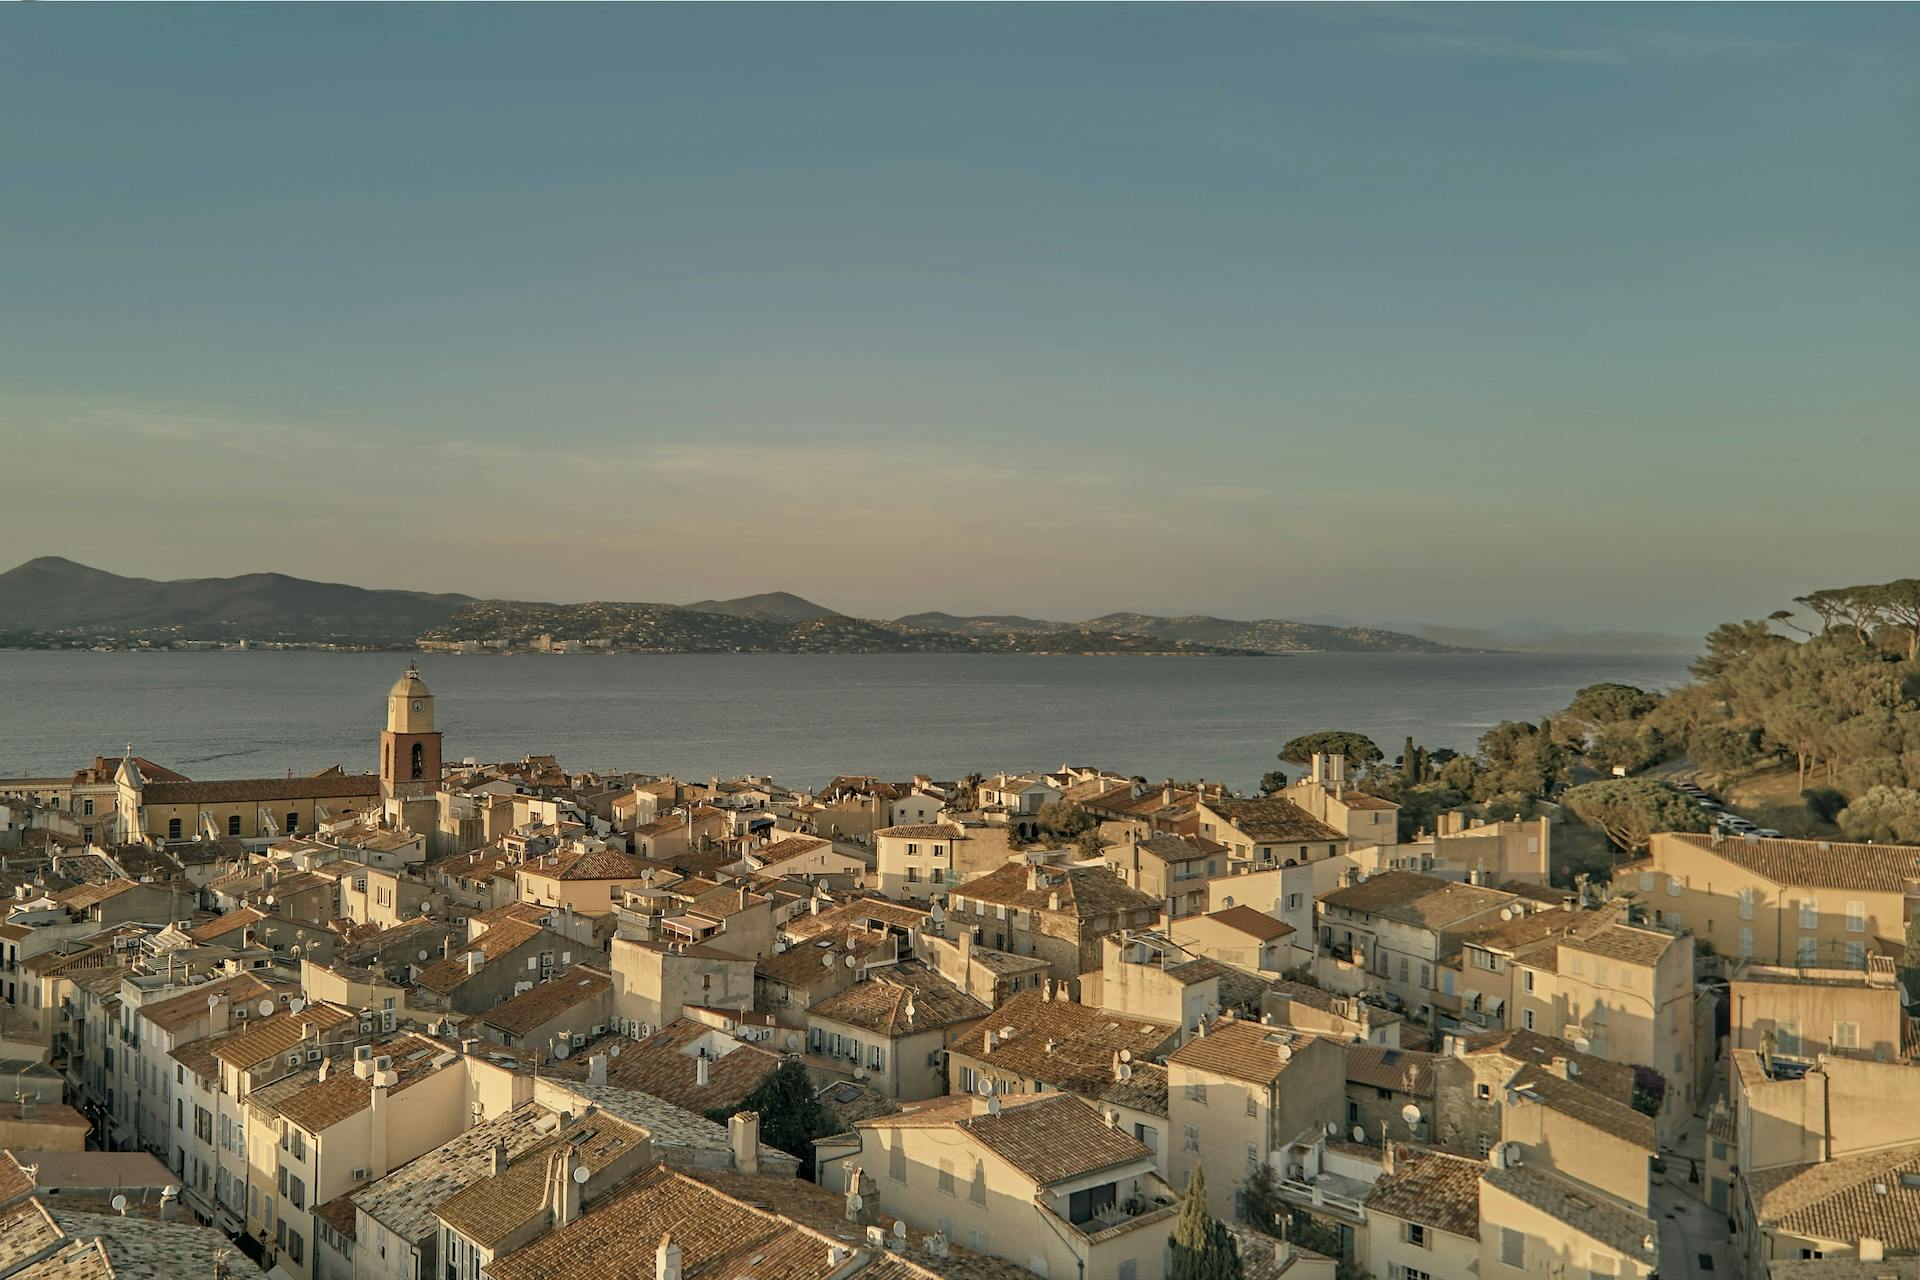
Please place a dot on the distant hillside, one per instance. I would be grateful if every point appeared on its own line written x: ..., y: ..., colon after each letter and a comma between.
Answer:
x: 666, y: 628
x: 52, y: 594
x: 1269, y: 635
x: 768, y: 604
x: 55, y: 600
x: 985, y: 624
x: 1536, y: 637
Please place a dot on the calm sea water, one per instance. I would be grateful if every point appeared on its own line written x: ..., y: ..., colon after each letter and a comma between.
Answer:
x: 802, y: 718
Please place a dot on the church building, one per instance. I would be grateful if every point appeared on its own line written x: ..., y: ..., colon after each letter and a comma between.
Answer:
x: 402, y: 792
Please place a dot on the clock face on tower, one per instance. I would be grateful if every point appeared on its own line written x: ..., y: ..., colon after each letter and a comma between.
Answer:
x: 417, y: 704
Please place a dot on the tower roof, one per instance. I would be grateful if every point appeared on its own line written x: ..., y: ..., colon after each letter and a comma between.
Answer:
x: 410, y: 685
x: 129, y: 772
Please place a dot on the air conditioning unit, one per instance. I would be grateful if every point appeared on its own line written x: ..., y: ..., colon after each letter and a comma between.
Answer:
x: 360, y: 1175
x: 313, y: 1055
x: 599, y: 1028
x: 383, y: 1063
x: 365, y: 1028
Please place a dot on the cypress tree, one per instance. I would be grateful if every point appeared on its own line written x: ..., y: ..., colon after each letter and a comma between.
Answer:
x: 1203, y: 1249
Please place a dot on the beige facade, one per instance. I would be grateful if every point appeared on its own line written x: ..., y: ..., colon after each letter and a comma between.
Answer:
x: 1086, y: 1202
x: 654, y: 982
x: 1814, y: 1012
x: 1241, y: 1093
x: 1800, y: 902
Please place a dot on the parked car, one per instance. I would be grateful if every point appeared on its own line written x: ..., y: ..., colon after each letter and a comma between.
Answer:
x: 1766, y: 833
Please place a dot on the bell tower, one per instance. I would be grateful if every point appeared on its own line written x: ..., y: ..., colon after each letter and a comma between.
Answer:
x: 410, y: 745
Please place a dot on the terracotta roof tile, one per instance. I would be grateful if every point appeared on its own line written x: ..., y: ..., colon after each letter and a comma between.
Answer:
x: 1061, y: 1043
x: 1242, y: 1050
x: 548, y: 1000
x: 1433, y: 1189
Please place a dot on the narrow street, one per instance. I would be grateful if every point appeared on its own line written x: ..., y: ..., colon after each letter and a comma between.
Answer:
x: 1693, y: 1238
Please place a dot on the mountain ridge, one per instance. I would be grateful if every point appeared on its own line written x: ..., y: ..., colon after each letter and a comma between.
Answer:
x: 55, y: 596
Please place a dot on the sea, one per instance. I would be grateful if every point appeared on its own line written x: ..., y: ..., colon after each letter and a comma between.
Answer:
x: 801, y: 718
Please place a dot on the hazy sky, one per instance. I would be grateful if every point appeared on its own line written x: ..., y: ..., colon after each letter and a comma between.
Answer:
x: 1602, y: 315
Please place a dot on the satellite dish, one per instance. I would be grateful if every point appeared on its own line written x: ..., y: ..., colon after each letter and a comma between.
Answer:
x: 793, y: 1040
x: 213, y: 1002
x: 1410, y: 1113
x: 856, y: 1202
x: 269, y: 899
x: 581, y: 1175
x: 426, y: 903
x: 986, y: 1088
x: 1359, y: 1134
x: 938, y: 913
x: 899, y: 1229
x: 1578, y: 1041
x: 613, y: 1050
x: 1126, y: 1055
x: 119, y: 1204
x: 826, y: 962
x: 563, y: 1050
x: 296, y: 948
x: 423, y: 954
x: 296, y: 1004
x: 849, y: 944
x: 1333, y: 1128
x: 851, y: 962
x: 266, y: 1008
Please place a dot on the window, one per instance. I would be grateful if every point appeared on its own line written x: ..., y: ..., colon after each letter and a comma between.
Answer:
x: 1414, y: 1234
x: 1809, y: 913
x: 1673, y: 891
x: 897, y: 1160
x: 1253, y: 1157
x: 946, y: 1177
x: 1513, y: 1247
x: 1403, y: 968
x: 1856, y: 955
x: 1808, y: 953
x: 1746, y: 904
x: 1193, y: 1137
x: 1197, y: 1093
x: 1526, y: 1018
x: 1526, y: 980
x: 87, y: 808
x: 913, y: 874
x: 1486, y: 1145
x: 293, y: 821
x: 978, y: 1191
x: 1846, y: 1035
x: 1253, y: 1106
x: 1646, y: 882
x: 1856, y: 917
x: 173, y: 828
x: 1148, y: 1136
x: 1129, y: 1269
x: 1483, y: 1091
x: 1746, y: 944
x: 1395, y: 1271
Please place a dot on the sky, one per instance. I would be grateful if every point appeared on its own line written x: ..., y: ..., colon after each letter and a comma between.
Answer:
x: 1597, y: 315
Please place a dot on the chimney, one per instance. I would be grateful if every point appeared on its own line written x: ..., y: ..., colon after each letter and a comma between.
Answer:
x: 1166, y: 793
x: 1320, y: 767
x: 566, y: 1191
x: 597, y: 1069
x: 666, y: 1259
x: 743, y: 1131
x: 1387, y: 1157
x: 1053, y: 901
x: 702, y: 1073
x: 326, y: 1067
x: 497, y: 1158
x: 1872, y: 1250
x: 743, y: 897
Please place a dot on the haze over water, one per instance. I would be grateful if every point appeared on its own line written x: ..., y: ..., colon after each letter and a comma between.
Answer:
x: 801, y: 718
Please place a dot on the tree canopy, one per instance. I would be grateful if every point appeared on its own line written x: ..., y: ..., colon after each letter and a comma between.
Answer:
x: 1611, y: 703
x: 1883, y: 813
x: 790, y: 1116
x: 1358, y: 748
x: 1630, y: 810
